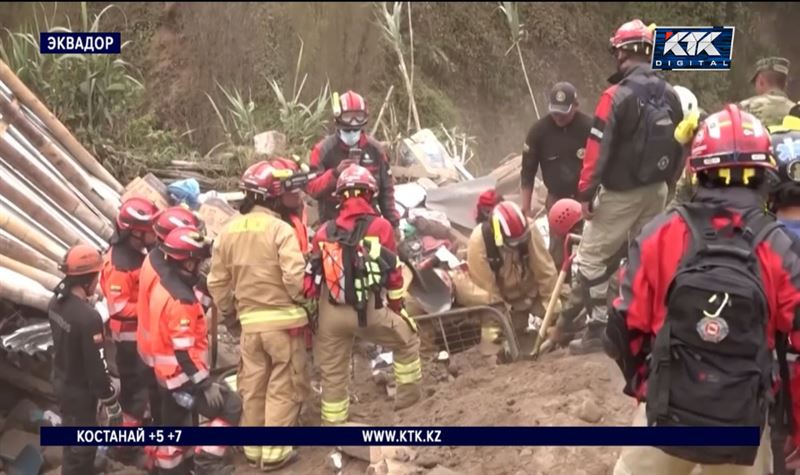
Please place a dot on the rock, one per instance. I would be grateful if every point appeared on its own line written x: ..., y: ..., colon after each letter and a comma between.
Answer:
x: 378, y: 468
x: 399, y: 453
x: 590, y: 412
x: 428, y: 460
x: 270, y: 143
x: 511, y: 402
x: 442, y: 470
x: 13, y: 441
x: 454, y: 370
x: 399, y: 468
x: 24, y: 415
x: 371, y: 454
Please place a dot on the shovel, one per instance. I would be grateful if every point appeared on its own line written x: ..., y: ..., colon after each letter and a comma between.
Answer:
x: 551, y: 305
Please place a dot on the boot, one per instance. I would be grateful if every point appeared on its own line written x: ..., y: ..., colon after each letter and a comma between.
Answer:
x: 207, y: 464
x: 591, y: 341
x: 271, y: 467
x: 407, y: 395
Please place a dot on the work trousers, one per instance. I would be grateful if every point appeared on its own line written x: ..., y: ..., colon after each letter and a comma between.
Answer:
x: 654, y: 461
x: 79, y: 459
x: 273, y: 382
x: 133, y: 392
x: 619, y: 217
x: 178, y: 408
x: 338, y: 326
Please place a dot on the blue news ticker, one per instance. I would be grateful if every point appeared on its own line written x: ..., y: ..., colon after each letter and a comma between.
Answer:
x: 80, y: 43
x: 414, y: 436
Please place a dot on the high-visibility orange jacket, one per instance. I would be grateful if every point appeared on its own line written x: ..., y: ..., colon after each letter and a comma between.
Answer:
x: 178, y: 330
x: 148, y: 279
x: 119, y: 281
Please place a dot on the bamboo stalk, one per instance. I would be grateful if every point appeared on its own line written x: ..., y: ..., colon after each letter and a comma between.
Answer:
x: 527, y: 81
x: 22, y: 290
x: 13, y: 115
x: 59, y: 131
x: 48, y: 281
x: 411, y: 60
x: 23, y: 198
x: 383, y: 109
x: 53, y: 188
x: 22, y: 252
x: 30, y: 235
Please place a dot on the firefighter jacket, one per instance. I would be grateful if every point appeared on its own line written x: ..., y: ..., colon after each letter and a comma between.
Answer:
x: 148, y: 279
x: 257, y: 271
x: 79, y: 364
x: 350, y: 211
x: 119, y: 281
x: 513, y: 283
x: 329, y: 153
x: 178, y: 330
x: 653, y: 260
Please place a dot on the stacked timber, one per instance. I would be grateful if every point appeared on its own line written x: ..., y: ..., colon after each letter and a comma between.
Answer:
x: 53, y: 194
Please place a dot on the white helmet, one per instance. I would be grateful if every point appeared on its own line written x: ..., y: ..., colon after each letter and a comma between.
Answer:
x: 688, y: 101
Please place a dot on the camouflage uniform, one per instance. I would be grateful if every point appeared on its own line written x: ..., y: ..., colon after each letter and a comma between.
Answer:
x: 772, y: 106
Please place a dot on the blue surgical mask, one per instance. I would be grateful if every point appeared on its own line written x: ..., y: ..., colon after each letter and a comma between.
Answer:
x: 350, y: 137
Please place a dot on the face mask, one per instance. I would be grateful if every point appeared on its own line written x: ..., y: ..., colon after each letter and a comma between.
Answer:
x: 349, y: 137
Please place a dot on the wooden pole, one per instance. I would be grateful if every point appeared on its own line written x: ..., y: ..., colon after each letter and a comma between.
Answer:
x: 13, y: 115
x: 49, y: 281
x: 53, y: 188
x: 30, y: 235
x: 22, y: 290
x: 383, y: 108
x: 24, y: 253
x: 59, y: 131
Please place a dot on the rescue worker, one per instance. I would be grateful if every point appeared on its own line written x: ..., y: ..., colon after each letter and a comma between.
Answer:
x: 557, y: 143
x: 180, y: 355
x: 681, y: 192
x: 508, y: 258
x: 770, y: 104
x: 119, y: 281
x: 486, y: 203
x: 256, y: 275
x: 785, y: 197
x: 351, y: 144
x: 80, y: 372
x: 166, y: 221
x: 355, y: 273
x: 657, y: 307
x: 631, y: 155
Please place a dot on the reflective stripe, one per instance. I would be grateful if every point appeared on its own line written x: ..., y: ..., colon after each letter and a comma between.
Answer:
x: 490, y: 333
x: 123, y: 336
x: 183, y: 342
x: 252, y: 453
x: 274, y: 455
x: 117, y: 307
x: 232, y: 382
x: 396, y: 294
x: 170, y: 457
x: 408, y: 373
x: 199, y: 376
x: 146, y: 359
x: 176, y: 381
x: 335, y: 412
x: 268, y: 316
x: 159, y: 359
x: 597, y: 133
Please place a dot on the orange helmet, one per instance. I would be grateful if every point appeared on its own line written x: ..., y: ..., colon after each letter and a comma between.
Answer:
x: 137, y: 214
x: 81, y: 259
x: 175, y: 217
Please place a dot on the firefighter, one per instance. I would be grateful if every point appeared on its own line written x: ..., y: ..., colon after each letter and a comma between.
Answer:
x: 631, y: 156
x: 179, y: 348
x: 486, y: 203
x: 351, y: 144
x: 80, y: 373
x: 355, y: 273
x: 508, y: 258
x: 257, y: 275
x: 166, y: 221
x: 119, y: 281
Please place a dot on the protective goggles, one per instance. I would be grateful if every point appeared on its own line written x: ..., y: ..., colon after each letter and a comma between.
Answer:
x: 354, y: 118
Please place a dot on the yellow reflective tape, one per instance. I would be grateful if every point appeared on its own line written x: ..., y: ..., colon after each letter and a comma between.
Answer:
x: 374, y: 246
x: 282, y: 173
x: 747, y: 174
x: 274, y: 454
x: 276, y: 315
x: 395, y: 294
x: 252, y: 453
x: 498, y: 234
x: 249, y: 223
x: 725, y: 174
x: 335, y: 411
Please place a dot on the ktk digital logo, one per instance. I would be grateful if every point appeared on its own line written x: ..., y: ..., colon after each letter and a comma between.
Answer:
x: 693, y: 48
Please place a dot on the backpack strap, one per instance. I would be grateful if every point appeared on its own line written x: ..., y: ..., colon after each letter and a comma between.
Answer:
x: 492, y: 251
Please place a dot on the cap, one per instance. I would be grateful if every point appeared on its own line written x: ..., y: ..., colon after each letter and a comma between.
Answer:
x: 777, y: 64
x: 562, y: 98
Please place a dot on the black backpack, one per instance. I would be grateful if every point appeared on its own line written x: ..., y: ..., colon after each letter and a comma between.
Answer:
x: 710, y: 363
x: 653, y: 138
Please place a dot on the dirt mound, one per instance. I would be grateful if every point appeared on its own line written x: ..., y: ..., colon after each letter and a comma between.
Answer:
x: 558, y: 390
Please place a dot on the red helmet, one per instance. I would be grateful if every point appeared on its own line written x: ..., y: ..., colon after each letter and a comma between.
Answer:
x: 137, y: 214
x: 486, y: 203
x: 563, y: 216
x: 633, y: 36
x: 351, y: 111
x: 356, y: 177
x: 731, y: 138
x: 175, y: 217
x: 186, y: 243
x: 265, y: 177
x: 81, y: 259
x: 509, y: 223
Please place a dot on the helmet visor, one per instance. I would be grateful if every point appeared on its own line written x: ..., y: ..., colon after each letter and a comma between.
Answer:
x: 354, y: 118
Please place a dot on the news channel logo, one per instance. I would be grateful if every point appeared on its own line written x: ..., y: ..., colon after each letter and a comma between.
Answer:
x: 693, y: 48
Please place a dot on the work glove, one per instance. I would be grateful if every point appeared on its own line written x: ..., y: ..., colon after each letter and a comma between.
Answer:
x: 213, y: 396
x: 112, y: 409
x: 311, y: 307
x: 233, y: 325
x: 684, y: 132
x: 343, y: 166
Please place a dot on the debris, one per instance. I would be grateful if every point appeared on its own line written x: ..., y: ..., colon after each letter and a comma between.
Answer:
x: 53, y: 456
x: 442, y: 470
x: 28, y: 461
x: 370, y: 454
x: 215, y: 213
x: 392, y: 467
x: 399, y: 453
x: 590, y: 412
x: 270, y: 143
x: 13, y: 441
x: 427, y: 460
x: 335, y: 461
x: 150, y: 187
